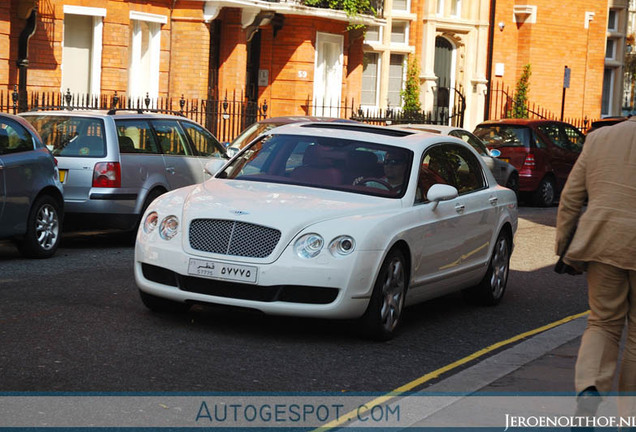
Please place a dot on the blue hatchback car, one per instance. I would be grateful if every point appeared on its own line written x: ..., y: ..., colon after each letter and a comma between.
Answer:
x: 31, y: 200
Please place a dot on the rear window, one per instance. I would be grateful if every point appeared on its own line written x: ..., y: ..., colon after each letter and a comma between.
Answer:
x: 71, y: 136
x: 504, y: 135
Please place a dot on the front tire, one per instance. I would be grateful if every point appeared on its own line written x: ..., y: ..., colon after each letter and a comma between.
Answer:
x: 383, y: 314
x: 43, y: 233
x: 492, y: 287
x: 162, y: 305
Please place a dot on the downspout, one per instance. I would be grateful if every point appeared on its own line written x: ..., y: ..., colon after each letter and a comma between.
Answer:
x: 174, y: 2
x: 491, y: 38
x: 23, y: 57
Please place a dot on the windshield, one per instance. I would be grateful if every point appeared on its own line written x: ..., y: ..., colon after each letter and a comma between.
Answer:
x: 325, y: 163
x: 504, y: 135
x: 71, y: 136
x: 253, y: 131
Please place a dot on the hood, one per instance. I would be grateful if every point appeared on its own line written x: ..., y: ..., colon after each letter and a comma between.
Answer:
x: 286, y: 207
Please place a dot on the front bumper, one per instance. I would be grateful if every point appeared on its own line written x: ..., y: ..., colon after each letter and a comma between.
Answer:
x: 322, y: 287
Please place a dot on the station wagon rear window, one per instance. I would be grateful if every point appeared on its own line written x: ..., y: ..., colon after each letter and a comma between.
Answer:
x: 71, y: 135
x: 504, y: 135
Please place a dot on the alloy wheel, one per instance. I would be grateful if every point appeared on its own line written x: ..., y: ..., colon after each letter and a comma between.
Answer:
x: 47, y: 227
x: 393, y: 294
x: 499, y: 268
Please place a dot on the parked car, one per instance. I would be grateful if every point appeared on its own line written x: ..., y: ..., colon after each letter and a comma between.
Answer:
x: 113, y: 164
x: 251, y: 132
x: 543, y: 151
x: 308, y: 221
x: 607, y: 121
x: 505, y: 174
x: 31, y: 203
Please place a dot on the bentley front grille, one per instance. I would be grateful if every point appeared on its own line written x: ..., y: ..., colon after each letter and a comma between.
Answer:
x: 228, y: 237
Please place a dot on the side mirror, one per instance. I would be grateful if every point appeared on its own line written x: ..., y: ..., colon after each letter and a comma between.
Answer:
x: 231, y: 151
x: 441, y: 192
x: 214, y: 166
x: 495, y: 153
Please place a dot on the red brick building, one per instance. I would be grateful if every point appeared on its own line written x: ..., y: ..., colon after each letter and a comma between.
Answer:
x: 550, y: 35
x: 287, y: 54
x: 297, y: 59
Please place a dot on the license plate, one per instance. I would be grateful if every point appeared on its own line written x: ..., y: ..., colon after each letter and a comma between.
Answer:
x: 217, y: 270
x: 62, y: 175
x: 505, y: 159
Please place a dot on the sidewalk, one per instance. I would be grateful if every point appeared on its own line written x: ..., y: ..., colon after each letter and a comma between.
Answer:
x: 541, y: 364
x: 534, y: 377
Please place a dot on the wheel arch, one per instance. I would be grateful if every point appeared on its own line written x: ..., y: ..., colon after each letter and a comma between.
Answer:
x: 403, y: 247
x: 51, y: 191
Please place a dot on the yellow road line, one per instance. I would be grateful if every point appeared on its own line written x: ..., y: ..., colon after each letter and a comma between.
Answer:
x: 431, y: 375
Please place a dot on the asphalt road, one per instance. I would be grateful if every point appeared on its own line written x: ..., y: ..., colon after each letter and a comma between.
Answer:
x: 75, y: 323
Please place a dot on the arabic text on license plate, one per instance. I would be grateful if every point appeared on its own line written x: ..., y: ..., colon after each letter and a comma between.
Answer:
x: 217, y: 270
x: 62, y: 175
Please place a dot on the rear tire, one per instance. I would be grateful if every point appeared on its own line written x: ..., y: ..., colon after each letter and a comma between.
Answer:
x: 43, y: 233
x: 382, y: 317
x: 545, y: 193
x: 162, y: 305
x: 492, y: 287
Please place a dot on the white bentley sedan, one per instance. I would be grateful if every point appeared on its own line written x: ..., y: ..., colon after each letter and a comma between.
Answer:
x: 335, y: 221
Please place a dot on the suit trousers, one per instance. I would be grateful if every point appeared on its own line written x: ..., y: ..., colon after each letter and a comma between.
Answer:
x: 612, y: 299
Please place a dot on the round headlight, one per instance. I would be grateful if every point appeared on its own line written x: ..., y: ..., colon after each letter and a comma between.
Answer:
x: 309, y: 245
x: 151, y: 222
x: 342, y: 246
x: 169, y: 227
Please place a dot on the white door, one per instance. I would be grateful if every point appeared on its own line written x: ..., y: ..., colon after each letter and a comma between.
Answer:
x: 328, y: 74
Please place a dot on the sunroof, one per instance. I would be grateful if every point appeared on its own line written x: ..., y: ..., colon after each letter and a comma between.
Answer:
x: 360, y: 128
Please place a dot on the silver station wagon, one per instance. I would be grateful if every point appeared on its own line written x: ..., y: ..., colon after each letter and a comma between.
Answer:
x: 113, y: 164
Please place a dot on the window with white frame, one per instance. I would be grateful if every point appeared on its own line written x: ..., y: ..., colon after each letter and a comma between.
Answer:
x: 456, y: 8
x: 399, y: 32
x: 82, y: 49
x: 401, y: 5
x: 612, y: 20
x: 373, y: 34
x: 396, y: 80
x: 370, y: 81
x: 610, y: 49
x: 145, y: 51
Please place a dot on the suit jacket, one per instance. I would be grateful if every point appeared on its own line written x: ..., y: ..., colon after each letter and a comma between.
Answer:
x: 605, y: 176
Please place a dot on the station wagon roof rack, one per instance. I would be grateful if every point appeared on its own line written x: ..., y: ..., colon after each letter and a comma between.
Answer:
x: 113, y: 111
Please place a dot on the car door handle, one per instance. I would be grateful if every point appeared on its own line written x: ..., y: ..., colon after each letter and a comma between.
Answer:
x: 459, y: 208
x: 170, y: 170
x: 493, y: 200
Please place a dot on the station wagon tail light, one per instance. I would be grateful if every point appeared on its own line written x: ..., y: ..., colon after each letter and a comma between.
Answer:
x: 342, y: 246
x: 529, y: 162
x: 107, y: 175
x: 151, y: 222
x: 309, y: 245
x: 169, y: 227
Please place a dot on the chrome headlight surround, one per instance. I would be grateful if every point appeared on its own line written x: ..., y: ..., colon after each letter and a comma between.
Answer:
x: 309, y: 245
x: 169, y: 227
x: 342, y: 246
x: 150, y: 222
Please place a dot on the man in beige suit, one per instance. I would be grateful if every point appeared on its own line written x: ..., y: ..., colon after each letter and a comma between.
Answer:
x: 605, y: 247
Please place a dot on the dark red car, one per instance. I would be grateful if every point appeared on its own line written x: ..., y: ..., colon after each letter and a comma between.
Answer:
x: 543, y: 151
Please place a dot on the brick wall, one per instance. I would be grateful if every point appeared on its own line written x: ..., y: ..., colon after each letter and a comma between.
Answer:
x: 290, y: 58
x: 5, y: 43
x: 558, y: 38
